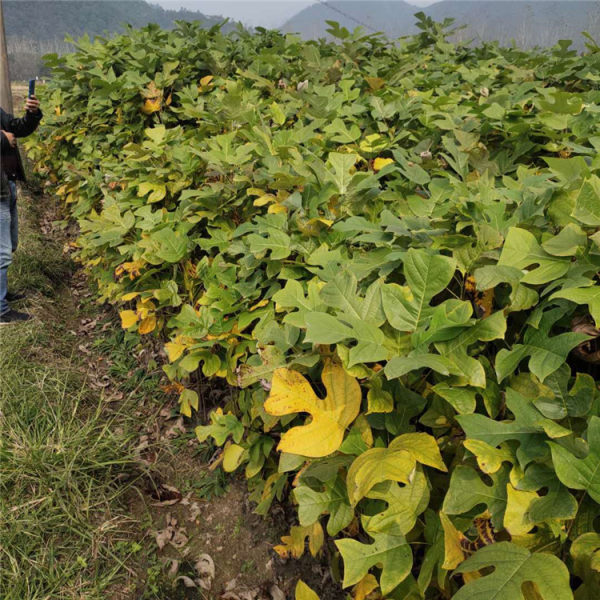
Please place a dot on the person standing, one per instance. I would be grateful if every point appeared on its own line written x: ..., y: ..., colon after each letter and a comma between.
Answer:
x: 11, y: 170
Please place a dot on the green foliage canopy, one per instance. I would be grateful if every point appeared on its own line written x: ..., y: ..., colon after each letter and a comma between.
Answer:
x: 415, y: 225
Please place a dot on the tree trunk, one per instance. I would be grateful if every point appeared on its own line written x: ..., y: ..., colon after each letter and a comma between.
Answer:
x: 5, y: 93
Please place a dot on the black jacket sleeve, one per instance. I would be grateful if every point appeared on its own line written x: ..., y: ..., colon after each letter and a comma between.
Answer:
x: 20, y: 127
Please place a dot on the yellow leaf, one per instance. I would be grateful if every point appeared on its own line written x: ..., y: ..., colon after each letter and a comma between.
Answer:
x: 291, y: 393
x: 142, y: 311
x: 259, y: 304
x: 467, y: 577
x: 151, y: 105
x: 327, y: 222
x: 363, y: 426
x: 489, y: 459
x: 293, y: 544
x: 277, y: 209
x: 206, y: 80
x: 147, y: 325
x: 174, y: 350
x: 375, y: 83
x: 453, y: 552
x: 129, y: 296
x: 133, y: 268
x: 303, y: 592
x: 374, y: 142
x: 188, y: 399
x: 316, y: 537
x: 516, y: 517
x: 423, y: 448
x: 232, y: 457
x: 264, y: 199
x: 394, y: 463
x: 365, y: 586
x: 377, y: 465
x: 157, y: 191
x: 128, y: 318
x: 379, y: 163
x: 483, y: 299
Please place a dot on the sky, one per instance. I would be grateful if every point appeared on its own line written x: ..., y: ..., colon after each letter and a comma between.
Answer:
x: 266, y: 13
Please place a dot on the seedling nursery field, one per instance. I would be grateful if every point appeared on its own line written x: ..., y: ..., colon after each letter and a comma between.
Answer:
x: 388, y: 253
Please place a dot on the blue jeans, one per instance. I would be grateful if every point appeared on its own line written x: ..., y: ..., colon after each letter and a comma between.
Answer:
x: 9, y: 238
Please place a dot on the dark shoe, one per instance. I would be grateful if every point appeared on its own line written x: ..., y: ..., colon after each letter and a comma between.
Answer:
x: 13, y: 316
x: 15, y: 296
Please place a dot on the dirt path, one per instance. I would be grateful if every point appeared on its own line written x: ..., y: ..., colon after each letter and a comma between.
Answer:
x: 184, y: 530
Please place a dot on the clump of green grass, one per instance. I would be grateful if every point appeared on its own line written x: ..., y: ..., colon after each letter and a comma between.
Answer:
x: 64, y: 469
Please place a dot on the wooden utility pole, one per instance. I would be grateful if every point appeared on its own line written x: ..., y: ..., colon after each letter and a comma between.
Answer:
x: 5, y: 93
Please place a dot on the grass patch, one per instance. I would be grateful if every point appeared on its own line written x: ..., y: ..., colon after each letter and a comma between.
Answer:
x: 64, y: 466
x: 66, y: 463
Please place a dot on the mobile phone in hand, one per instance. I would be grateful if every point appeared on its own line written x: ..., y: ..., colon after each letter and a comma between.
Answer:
x: 31, y: 87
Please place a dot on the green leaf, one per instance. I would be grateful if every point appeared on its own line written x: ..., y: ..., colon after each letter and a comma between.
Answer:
x: 333, y: 500
x: 546, y: 354
x: 341, y: 293
x: 587, y: 205
x: 522, y: 250
x: 341, y: 163
x: 463, y: 400
x: 405, y: 504
x: 390, y: 552
x: 513, y: 567
x: 567, y: 242
x: 574, y: 402
x: 278, y: 242
x: 322, y: 328
x: 467, y: 491
x: 292, y: 296
x: 583, y: 295
x: 581, y: 473
x: 455, y: 350
x: 426, y: 275
x: 401, y: 365
x: 172, y: 245
x: 221, y: 427
x: 556, y: 504
x: 529, y: 427
x: 585, y: 552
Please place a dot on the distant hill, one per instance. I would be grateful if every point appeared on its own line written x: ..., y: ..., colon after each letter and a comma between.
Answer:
x: 52, y: 19
x: 528, y: 23
x: 392, y: 17
x: 38, y: 27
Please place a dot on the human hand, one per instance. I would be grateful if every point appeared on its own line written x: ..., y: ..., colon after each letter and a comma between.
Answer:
x: 32, y: 104
x: 12, y: 140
